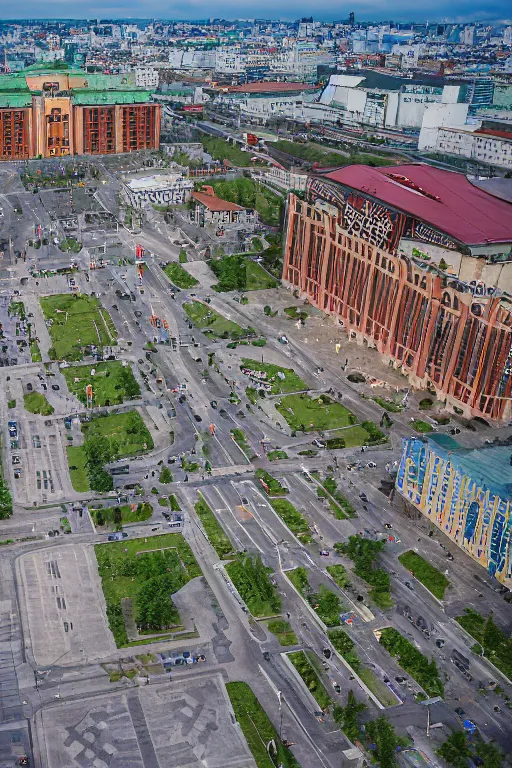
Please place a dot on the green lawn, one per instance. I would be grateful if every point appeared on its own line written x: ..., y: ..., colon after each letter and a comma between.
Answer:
x: 115, y: 426
x: 240, y: 439
x: 305, y: 413
x: 430, y: 577
x: 179, y: 276
x: 283, y: 380
x: 350, y: 437
x: 129, y: 513
x: 273, y: 486
x: 112, y: 382
x: 421, y: 426
x: 211, y: 322
x: 36, y: 402
x: 276, y: 455
x: 147, y: 571
x: 258, y: 278
x: 79, y: 478
x: 283, y: 631
x: 304, y: 667
x: 222, y: 150
x: 292, y: 518
x: 76, y: 321
x: 339, y: 575
x: 213, y: 529
x: 377, y: 686
x: 252, y: 581
x: 35, y: 352
x: 257, y: 728
x: 299, y: 579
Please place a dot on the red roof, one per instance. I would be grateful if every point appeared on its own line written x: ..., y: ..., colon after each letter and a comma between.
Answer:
x: 214, y: 203
x: 444, y: 199
x: 494, y: 132
x: 270, y: 87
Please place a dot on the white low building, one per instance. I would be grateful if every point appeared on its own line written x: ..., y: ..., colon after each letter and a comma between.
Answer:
x: 485, y: 141
x: 146, y: 77
x: 158, y: 189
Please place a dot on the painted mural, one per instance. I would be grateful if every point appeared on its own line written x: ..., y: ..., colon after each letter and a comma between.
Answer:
x: 462, y: 506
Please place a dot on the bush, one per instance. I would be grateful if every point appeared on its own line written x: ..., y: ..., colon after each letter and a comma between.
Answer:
x: 252, y: 581
x: 412, y: 661
x: 426, y: 404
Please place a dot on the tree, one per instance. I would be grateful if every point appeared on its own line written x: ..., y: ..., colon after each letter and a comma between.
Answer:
x: 347, y: 717
x: 100, y: 480
x: 97, y: 450
x: 490, y: 754
x: 117, y: 515
x: 455, y: 750
x: 165, y: 476
x: 384, y: 741
x: 129, y: 383
x: 133, y: 423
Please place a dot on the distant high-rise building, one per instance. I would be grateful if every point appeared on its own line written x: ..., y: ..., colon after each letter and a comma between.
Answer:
x: 351, y: 18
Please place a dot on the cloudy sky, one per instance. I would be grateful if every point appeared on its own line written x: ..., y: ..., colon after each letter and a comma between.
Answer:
x: 434, y: 10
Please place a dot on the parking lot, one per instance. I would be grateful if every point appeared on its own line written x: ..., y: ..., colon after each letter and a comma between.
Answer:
x: 182, y: 724
x: 64, y: 613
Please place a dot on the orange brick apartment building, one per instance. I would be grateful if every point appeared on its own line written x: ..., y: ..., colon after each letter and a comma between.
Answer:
x: 53, y: 112
x: 417, y: 263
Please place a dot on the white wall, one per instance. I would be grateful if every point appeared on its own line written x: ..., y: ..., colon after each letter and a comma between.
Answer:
x: 436, y: 116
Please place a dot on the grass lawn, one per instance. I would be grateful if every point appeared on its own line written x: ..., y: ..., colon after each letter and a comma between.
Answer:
x: 276, y: 455
x: 299, y: 579
x: 35, y: 352
x: 240, y: 439
x: 36, y: 402
x: 78, y: 476
x: 222, y: 150
x: 270, y: 484
x: 292, y: 518
x: 252, y: 580
x: 115, y: 426
x: 304, y: 413
x: 421, y: 426
x: 351, y: 437
x: 130, y: 513
x: 258, y: 278
x: 339, y: 575
x: 378, y: 687
x: 430, y: 577
x: 150, y: 567
x: 213, y: 529
x: 257, y: 728
x: 210, y: 322
x: 179, y: 276
x: 304, y: 667
x: 283, y: 631
x: 112, y: 382
x: 283, y: 380
x: 76, y: 321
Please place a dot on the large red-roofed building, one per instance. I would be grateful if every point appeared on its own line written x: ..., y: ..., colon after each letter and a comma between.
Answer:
x: 416, y: 262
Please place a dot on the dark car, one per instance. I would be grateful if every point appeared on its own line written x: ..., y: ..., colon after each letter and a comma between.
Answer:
x: 197, y: 417
x: 30, y: 387
x: 55, y: 387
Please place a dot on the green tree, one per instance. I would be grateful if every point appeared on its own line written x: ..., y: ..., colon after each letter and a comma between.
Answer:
x: 100, y: 480
x: 117, y: 516
x: 455, y: 750
x: 98, y: 450
x: 384, y: 741
x: 491, y: 754
x: 165, y: 476
x: 347, y: 717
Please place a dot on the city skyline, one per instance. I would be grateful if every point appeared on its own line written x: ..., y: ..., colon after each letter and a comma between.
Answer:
x: 364, y: 10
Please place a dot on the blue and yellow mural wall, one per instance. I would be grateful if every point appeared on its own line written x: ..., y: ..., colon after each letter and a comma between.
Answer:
x: 467, y: 494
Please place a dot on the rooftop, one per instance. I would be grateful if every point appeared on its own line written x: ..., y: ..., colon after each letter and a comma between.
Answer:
x: 214, y: 203
x: 444, y: 199
x: 489, y: 465
x: 270, y: 87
